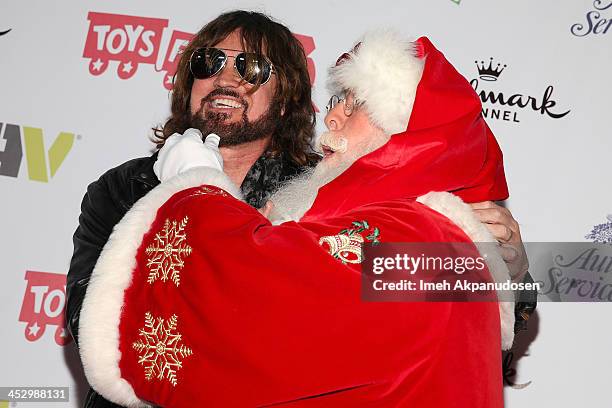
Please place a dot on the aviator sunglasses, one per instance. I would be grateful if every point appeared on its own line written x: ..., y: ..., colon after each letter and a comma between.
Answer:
x: 208, y: 62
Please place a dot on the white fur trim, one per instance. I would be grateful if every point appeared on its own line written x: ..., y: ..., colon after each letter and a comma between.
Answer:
x: 384, y: 73
x: 112, y: 275
x: 463, y: 216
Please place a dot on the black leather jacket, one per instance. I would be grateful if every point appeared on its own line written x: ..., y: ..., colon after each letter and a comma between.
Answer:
x: 113, y: 194
x: 105, y: 203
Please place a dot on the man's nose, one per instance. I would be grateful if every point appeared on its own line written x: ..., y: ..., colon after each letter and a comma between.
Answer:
x: 228, y: 77
x: 335, y: 118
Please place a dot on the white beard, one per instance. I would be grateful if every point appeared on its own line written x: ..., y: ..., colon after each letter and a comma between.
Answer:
x: 296, y: 196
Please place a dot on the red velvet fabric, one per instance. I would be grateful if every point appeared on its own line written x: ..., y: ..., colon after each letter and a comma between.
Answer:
x: 446, y: 147
x: 274, y: 320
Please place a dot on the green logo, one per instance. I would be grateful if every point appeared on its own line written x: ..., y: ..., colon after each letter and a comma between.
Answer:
x: 42, y: 164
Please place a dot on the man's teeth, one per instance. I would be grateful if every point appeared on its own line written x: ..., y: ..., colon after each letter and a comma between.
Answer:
x: 225, y: 103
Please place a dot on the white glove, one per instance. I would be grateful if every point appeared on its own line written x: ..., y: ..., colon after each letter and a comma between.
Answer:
x: 183, y: 152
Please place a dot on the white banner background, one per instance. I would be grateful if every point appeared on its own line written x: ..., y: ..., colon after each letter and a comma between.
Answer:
x: 556, y: 168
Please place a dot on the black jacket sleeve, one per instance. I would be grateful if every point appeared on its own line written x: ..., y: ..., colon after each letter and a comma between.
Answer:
x: 105, y: 203
x: 99, y: 214
x: 525, y: 306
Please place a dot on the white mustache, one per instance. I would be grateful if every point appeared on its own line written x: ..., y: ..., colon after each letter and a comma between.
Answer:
x: 334, y: 143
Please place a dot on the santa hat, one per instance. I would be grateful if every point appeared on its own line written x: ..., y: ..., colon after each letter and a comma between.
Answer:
x: 383, y: 71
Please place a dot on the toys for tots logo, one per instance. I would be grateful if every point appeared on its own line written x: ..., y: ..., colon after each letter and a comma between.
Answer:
x: 505, y: 106
x: 126, y: 39
x: 43, y: 305
x: 132, y: 41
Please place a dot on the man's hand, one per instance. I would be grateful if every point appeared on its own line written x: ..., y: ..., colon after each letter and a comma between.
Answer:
x: 506, y: 230
x: 183, y: 152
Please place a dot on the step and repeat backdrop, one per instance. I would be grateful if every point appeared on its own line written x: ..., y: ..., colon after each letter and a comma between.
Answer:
x: 82, y: 83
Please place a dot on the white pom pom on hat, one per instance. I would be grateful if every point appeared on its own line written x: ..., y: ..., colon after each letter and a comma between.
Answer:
x: 383, y: 71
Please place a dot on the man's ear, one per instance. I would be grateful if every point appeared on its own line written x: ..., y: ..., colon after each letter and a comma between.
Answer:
x: 282, y: 112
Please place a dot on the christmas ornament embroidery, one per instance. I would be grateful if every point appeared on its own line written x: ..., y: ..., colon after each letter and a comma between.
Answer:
x: 346, y: 246
x: 160, y: 350
x: 602, y: 233
x: 167, y: 252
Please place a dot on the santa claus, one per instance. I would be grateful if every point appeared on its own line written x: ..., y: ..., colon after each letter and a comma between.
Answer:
x: 200, y: 300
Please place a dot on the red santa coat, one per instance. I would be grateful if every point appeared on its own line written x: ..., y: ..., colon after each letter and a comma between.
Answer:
x: 197, y: 300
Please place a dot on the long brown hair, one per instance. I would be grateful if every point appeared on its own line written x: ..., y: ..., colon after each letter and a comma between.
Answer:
x: 295, y: 131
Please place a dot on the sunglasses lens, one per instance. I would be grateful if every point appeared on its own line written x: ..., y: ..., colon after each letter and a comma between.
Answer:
x: 206, y: 62
x: 253, y: 68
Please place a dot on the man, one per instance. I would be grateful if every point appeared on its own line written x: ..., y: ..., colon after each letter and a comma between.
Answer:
x: 199, y: 300
x: 266, y: 125
x: 266, y: 128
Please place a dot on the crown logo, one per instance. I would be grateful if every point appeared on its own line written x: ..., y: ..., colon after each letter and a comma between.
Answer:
x: 489, y: 73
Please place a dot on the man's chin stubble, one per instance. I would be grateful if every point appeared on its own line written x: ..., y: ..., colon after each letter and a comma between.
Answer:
x: 242, y: 131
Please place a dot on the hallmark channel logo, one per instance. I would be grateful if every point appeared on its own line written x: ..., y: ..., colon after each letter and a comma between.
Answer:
x: 489, y: 73
x: 594, y: 21
x: 131, y: 41
x: 44, y: 304
x: 42, y: 164
x: 601, y: 233
x: 507, y: 107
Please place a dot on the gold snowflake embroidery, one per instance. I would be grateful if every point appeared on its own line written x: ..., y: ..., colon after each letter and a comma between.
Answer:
x: 167, y: 252
x: 160, y: 350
